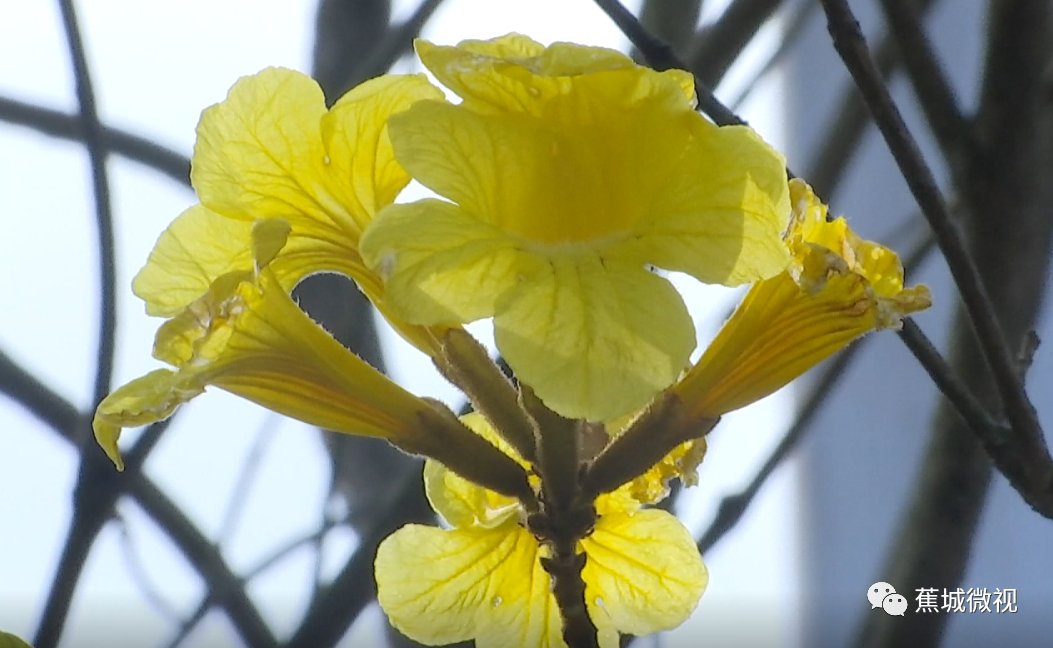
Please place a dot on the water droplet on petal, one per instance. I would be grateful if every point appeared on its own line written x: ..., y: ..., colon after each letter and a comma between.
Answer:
x: 497, y: 600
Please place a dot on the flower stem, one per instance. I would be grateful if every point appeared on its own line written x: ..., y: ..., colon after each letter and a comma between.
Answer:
x: 565, y: 567
x: 662, y: 427
x: 566, y: 516
x: 466, y: 363
x: 446, y: 439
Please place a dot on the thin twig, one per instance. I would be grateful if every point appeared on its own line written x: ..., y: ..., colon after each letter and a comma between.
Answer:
x: 37, y: 398
x: 733, y: 507
x: 934, y: 92
x: 88, y: 516
x: 138, y: 572
x: 662, y: 57
x: 850, y: 44
x: 850, y: 122
x: 64, y: 126
x: 92, y: 131
x: 227, y: 589
x: 673, y: 22
x: 961, y: 397
x: 342, y: 600
x: 791, y: 32
x: 719, y: 45
x: 31, y: 393
x: 398, y: 41
x: 1007, y: 195
x: 243, y: 483
x: 275, y: 557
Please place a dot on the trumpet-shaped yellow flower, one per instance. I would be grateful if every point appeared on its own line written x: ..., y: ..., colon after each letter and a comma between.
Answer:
x: 272, y: 150
x: 482, y: 579
x: 567, y: 172
x: 286, y: 187
x: 247, y: 336
x: 838, y: 288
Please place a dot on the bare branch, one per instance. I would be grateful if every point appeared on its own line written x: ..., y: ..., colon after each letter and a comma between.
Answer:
x: 92, y: 130
x: 340, y: 602
x: 59, y: 124
x: 844, y: 135
x: 719, y: 45
x: 37, y: 398
x: 662, y: 57
x: 935, y: 95
x: 790, y: 34
x: 1032, y: 479
x: 63, y: 419
x: 86, y: 521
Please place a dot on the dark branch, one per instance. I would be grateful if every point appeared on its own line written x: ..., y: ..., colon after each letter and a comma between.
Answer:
x: 851, y: 119
x: 935, y: 95
x: 340, y: 602
x: 88, y: 516
x: 226, y: 588
x: 36, y: 397
x: 63, y: 419
x: 59, y: 124
x: 662, y: 57
x: 719, y: 45
x: 93, y: 142
x: 397, y: 42
x: 733, y: 507
x: 965, y: 402
x: 849, y: 42
x: 790, y: 34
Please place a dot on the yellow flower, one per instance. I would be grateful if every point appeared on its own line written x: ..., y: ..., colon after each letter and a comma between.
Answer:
x: 272, y: 151
x: 247, y: 336
x: 838, y: 288
x: 482, y: 579
x: 568, y: 171
x: 286, y: 188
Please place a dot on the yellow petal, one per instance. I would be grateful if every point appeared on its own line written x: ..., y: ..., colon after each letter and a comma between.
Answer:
x: 599, y: 168
x: 248, y: 337
x: 682, y: 462
x: 441, y: 58
x: 146, y: 399
x: 439, y: 587
x: 200, y: 246
x: 463, y: 503
x: 268, y: 238
x: 514, y: 72
x: 191, y: 253
x: 643, y: 571
x: 777, y: 333
x: 787, y: 324
x: 719, y: 206
x: 272, y: 150
x: 594, y: 338
x: 8, y: 640
x: 492, y: 166
x: 259, y: 153
x: 362, y: 169
x: 442, y: 266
